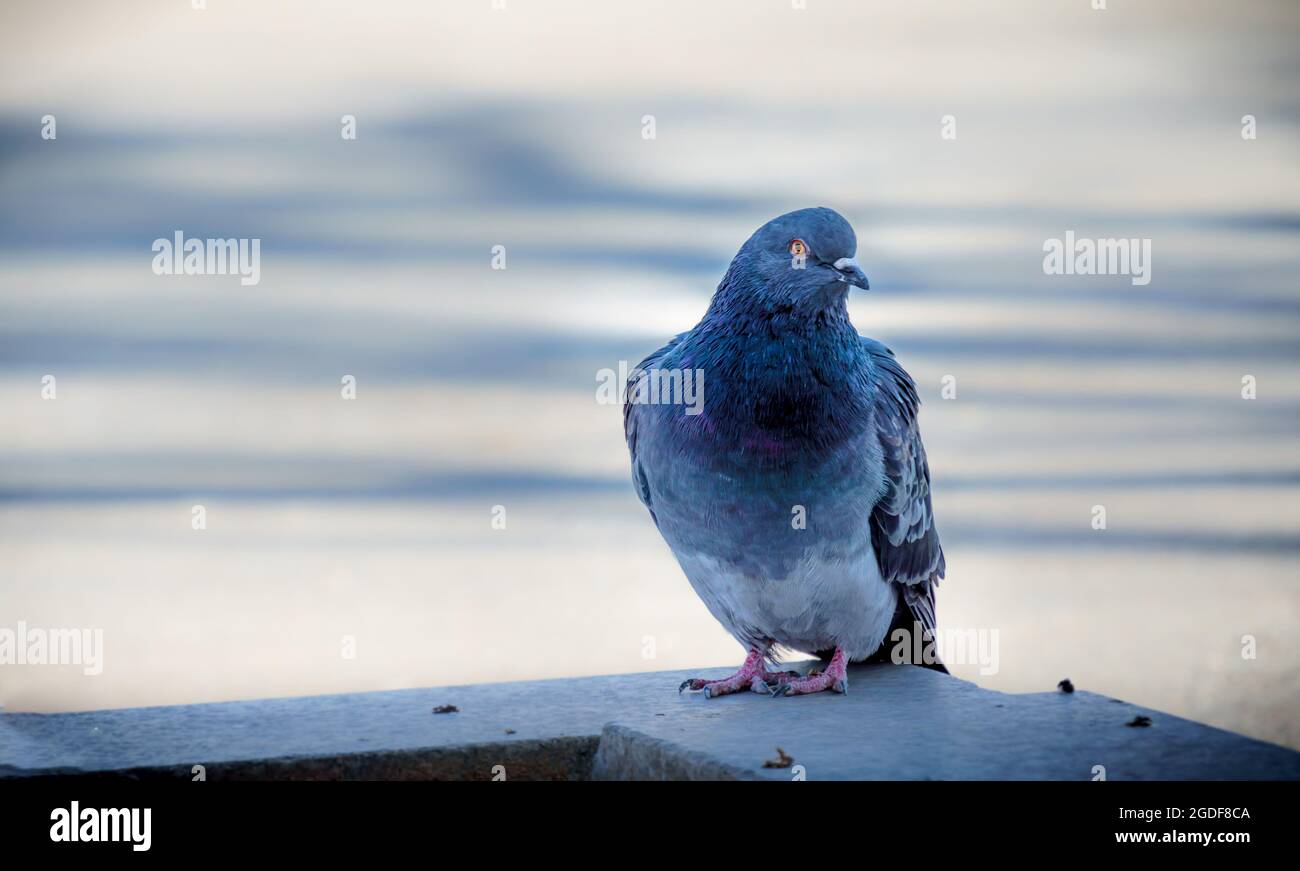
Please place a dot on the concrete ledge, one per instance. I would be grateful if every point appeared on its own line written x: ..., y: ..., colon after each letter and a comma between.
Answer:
x: 626, y: 754
x: 898, y: 722
x: 553, y: 759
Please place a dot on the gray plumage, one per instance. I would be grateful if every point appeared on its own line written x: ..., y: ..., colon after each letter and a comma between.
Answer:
x: 801, y: 417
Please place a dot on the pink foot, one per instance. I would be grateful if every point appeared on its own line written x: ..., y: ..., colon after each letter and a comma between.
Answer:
x: 751, y: 676
x: 835, y: 678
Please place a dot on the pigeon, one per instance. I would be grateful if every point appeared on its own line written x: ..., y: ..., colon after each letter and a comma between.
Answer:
x: 795, y: 494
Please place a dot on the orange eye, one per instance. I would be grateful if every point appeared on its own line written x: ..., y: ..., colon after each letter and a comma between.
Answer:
x: 798, y: 248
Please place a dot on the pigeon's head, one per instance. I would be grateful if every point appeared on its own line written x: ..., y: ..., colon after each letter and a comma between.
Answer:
x: 805, y: 253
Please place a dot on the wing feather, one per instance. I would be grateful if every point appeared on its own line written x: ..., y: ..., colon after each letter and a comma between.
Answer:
x: 631, y: 420
x: 903, y: 532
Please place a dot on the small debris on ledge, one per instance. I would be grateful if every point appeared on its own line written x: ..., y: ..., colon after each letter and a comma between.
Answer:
x: 446, y: 709
x: 1139, y: 722
x: 1065, y: 686
x: 782, y: 760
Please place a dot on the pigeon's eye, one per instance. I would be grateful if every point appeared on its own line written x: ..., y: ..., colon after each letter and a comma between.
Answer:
x: 798, y: 248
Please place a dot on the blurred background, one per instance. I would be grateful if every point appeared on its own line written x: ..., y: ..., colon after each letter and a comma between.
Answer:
x: 370, y: 519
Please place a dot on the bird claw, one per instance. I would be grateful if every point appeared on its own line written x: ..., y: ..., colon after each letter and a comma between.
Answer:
x: 754, y: 677
x: 833, y: 678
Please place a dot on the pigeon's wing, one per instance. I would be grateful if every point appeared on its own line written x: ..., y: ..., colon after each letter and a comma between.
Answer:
x: 632, y: 413
x: 902, y: 523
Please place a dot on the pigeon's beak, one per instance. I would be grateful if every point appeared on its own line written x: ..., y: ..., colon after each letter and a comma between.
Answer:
x: 851, y: 272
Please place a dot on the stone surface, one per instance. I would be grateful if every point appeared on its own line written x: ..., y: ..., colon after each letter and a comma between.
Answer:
x: 897, y: 722
x: 901, y: 723
x: 626, y: 754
